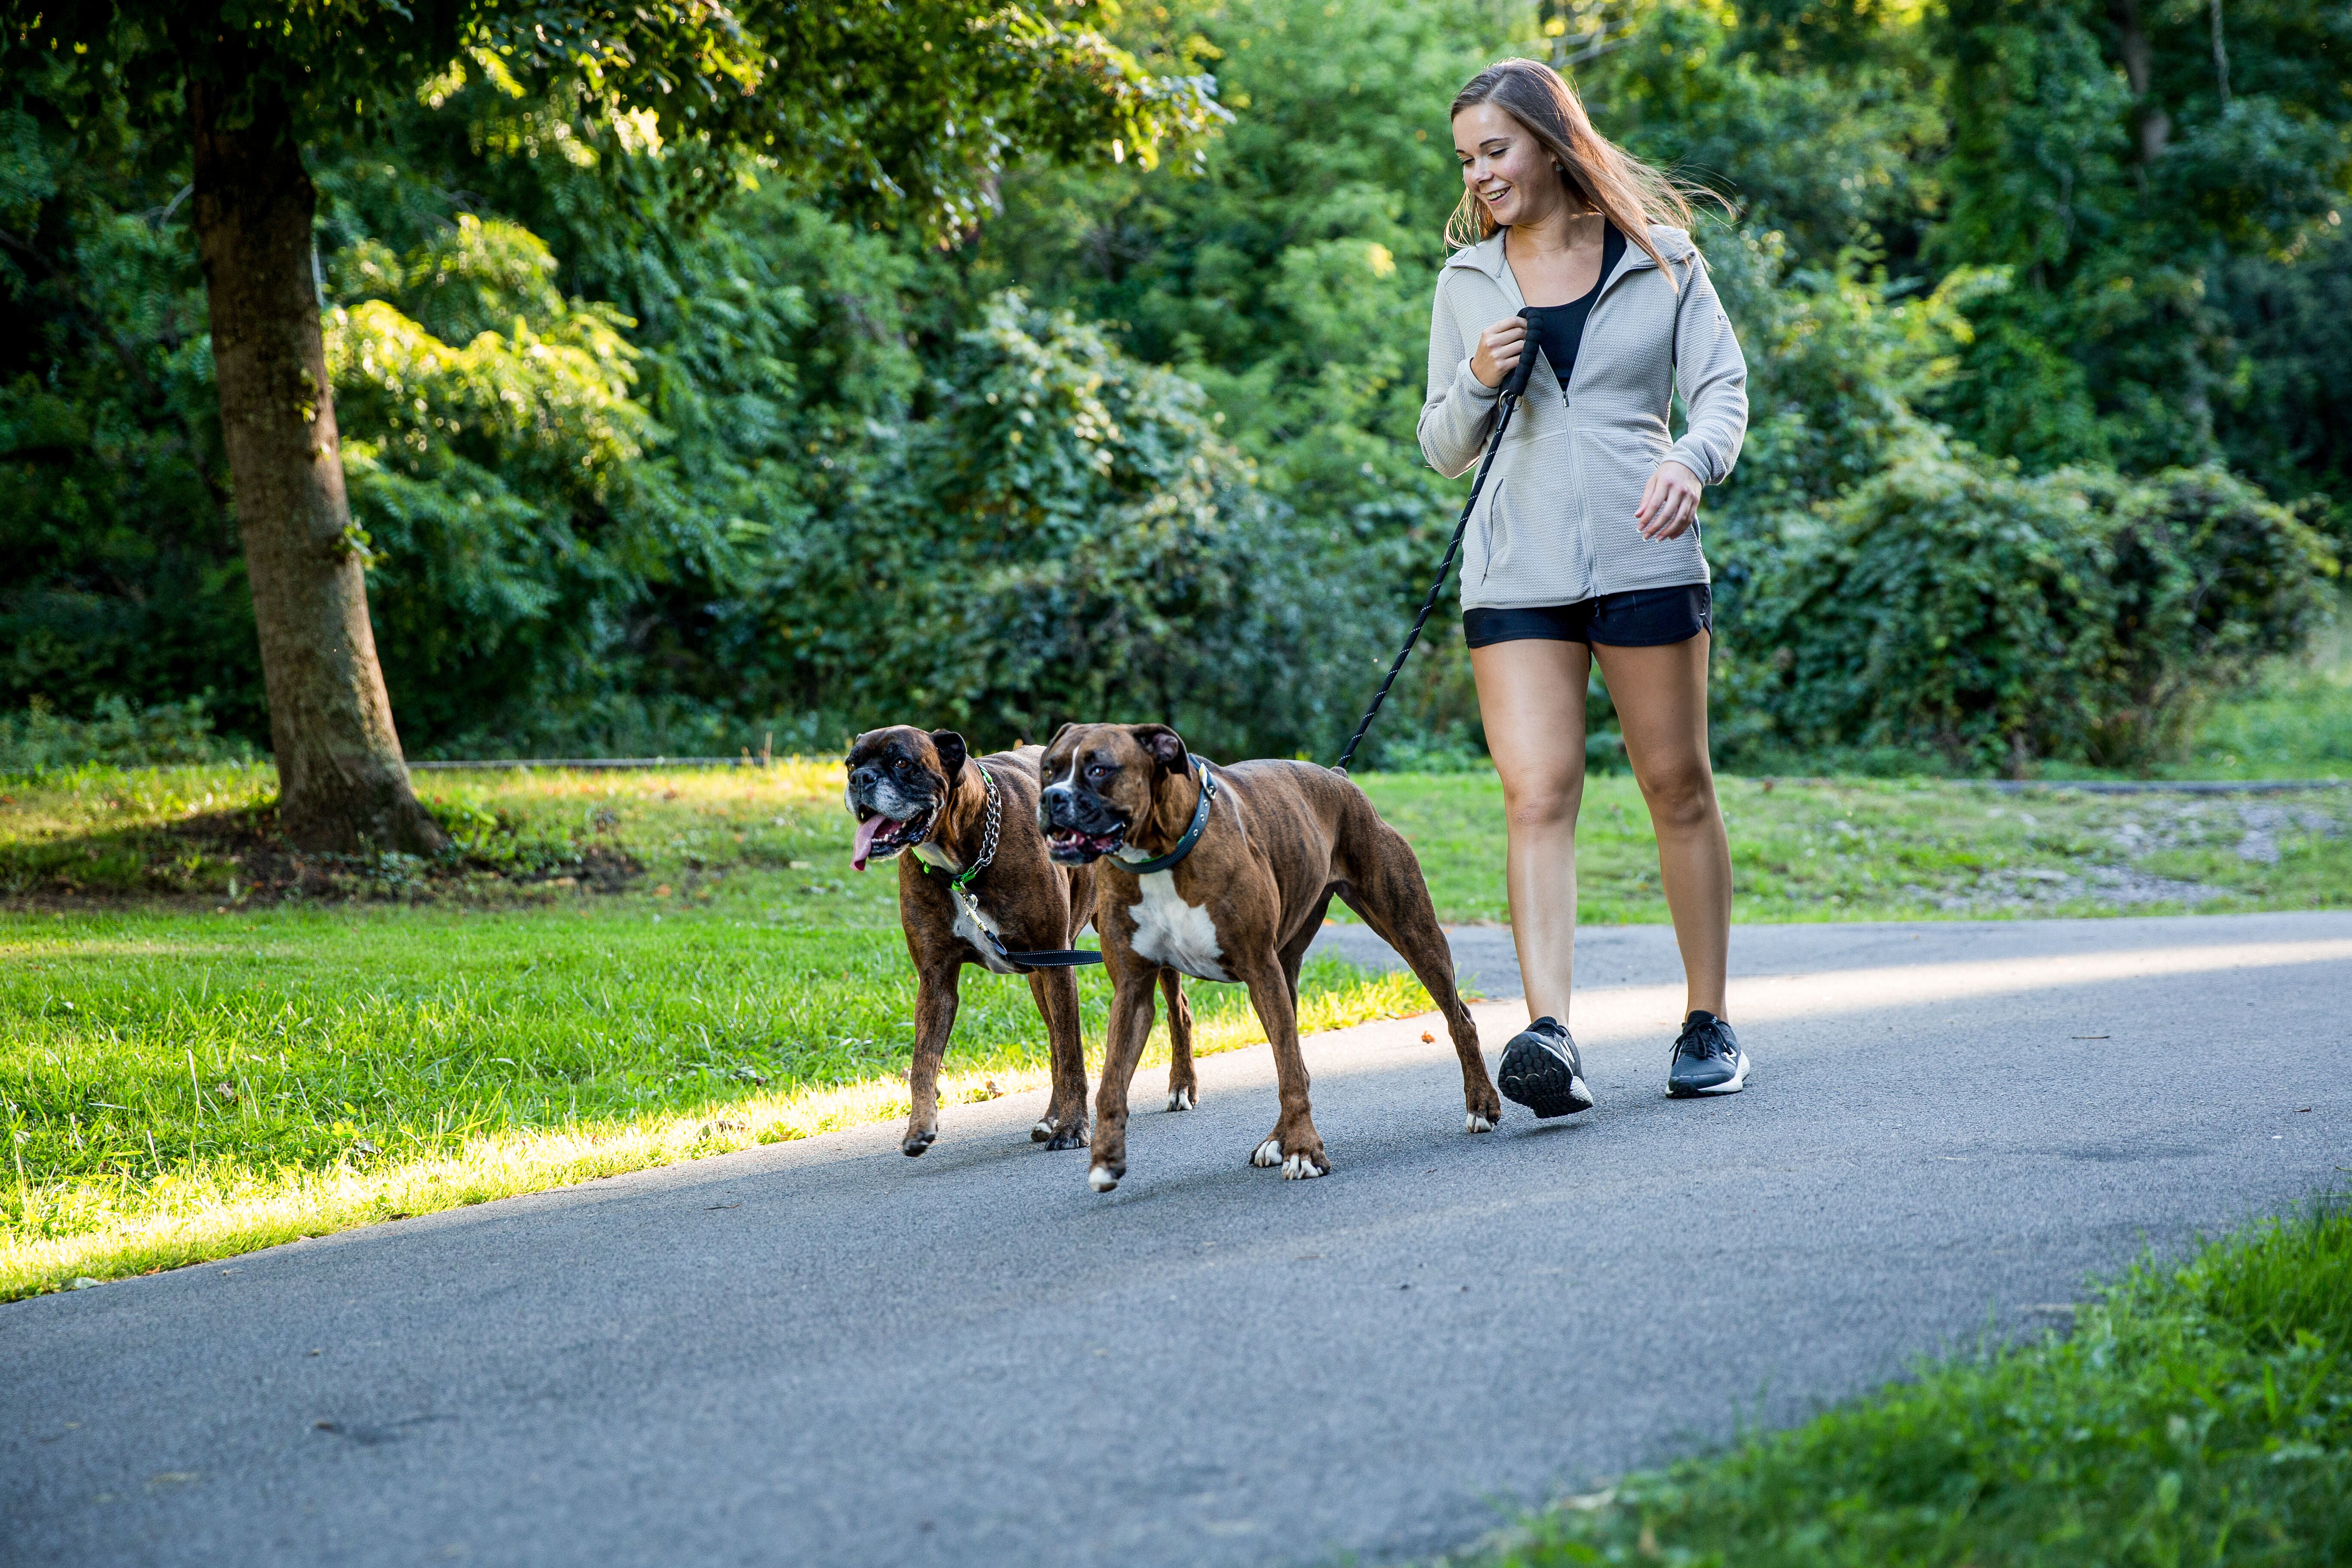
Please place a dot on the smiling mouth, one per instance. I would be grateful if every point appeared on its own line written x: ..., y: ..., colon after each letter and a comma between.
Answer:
x: 879, y: 837
x: 1067, y: 844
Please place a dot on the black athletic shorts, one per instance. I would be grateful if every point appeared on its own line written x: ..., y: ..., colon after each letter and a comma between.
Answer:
x: 1646, y: 617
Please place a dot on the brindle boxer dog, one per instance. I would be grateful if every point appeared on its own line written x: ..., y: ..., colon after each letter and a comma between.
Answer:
x: 909, y: 790
x: 1239, y: 899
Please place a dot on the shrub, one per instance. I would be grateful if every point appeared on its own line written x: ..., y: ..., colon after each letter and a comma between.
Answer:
x: 172, y: 732
x: 1951, y: 606
x: 1073, y: 538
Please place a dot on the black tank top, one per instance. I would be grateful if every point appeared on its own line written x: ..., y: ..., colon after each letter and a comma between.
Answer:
x: 1563, y: 325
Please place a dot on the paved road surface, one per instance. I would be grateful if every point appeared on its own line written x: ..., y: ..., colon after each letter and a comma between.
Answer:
x: 826, y: 1353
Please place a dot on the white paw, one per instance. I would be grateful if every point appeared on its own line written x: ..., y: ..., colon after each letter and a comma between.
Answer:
x: 1267, y: 1154
x: 1101, y: 1180
x: 1179, y: 1098
x: 1045, y: 1128
x: 1301, y: 1168
x: 1473, y: 1122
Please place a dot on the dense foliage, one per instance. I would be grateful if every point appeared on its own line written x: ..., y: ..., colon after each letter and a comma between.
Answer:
x: 658, y: 447
x: 1951, y: 608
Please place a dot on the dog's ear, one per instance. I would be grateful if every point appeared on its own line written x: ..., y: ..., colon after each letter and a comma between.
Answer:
x: 1059, y: 733
x: 1162, y: 745
x: 953, y: 753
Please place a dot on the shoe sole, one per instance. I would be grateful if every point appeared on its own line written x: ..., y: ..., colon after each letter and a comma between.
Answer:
x: 1731, y: 1085
x: 1543, y: 1083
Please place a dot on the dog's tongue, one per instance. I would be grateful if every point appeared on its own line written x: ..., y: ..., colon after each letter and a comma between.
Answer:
x: 865, y: 846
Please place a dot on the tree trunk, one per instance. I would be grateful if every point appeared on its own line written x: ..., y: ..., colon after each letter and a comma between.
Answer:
x: 2131, y: 43
x: 342, y: 783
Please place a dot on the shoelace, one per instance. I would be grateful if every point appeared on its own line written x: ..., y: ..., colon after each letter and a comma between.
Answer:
x: 1700, y: 1041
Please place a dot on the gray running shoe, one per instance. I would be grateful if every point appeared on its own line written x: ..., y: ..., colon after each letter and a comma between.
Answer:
x: 1540, y: 1070
x: 1707, y: 1059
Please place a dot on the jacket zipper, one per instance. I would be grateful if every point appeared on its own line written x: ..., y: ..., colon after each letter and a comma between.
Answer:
x: 1566, y: 402
x: 1607, y: 284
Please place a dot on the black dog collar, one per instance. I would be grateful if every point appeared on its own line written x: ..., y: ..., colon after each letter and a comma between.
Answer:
x: 1192, y: 833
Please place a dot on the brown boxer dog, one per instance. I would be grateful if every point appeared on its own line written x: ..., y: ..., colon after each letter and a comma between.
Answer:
x: 922, y: 792
x: 1225, y: 874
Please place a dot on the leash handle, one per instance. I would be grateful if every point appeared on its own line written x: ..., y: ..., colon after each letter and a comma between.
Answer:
x: 1445, y: 567
x: 1516, y: 384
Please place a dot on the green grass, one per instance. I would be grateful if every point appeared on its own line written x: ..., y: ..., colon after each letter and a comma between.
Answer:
x: 1905, y: 849
x: 2296, y: 724
x: 2199, y: 1414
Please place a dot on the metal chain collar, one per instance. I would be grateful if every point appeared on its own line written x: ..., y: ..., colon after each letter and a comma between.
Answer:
x: 987, y: 836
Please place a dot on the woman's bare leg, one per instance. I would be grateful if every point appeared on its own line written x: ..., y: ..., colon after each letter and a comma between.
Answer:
x: 1661, y: 699
x: 1531, y: 698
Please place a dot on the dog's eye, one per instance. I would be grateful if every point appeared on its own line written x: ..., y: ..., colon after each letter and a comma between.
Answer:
x: 902, y: 765
x: 1099, y: 771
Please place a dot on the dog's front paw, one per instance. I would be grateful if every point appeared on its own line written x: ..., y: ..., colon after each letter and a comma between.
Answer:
x: 1103, y: 1178
x: 1301, y: 1164
x: 916, y: 1142
x: 1181, y: 1098
x: 1305, y: 1165
x: 1043, y: 1130
x: 1478, y: 1121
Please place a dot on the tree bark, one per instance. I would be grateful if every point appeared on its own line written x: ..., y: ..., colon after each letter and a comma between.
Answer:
x: 341, y: 782
x: 2131, y: 43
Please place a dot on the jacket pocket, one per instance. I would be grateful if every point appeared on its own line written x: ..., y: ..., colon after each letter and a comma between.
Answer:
x: 1613, y: 468
x: 1489, y: 545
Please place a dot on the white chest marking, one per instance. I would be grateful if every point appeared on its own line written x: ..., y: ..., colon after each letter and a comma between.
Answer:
x: 1170, y: 931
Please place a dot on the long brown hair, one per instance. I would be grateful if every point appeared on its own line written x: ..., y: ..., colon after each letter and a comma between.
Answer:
x: 1629, y: 192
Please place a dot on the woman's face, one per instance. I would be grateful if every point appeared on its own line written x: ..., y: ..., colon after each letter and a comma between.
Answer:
x: 1504, y: 167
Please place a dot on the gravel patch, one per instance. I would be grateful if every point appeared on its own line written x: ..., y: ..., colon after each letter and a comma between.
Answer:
x: 2034, y: 889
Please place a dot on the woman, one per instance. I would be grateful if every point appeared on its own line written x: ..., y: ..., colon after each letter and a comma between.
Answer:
x: 1585, y: 541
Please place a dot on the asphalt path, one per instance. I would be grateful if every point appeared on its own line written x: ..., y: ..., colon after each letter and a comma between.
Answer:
x: 826, y: 1353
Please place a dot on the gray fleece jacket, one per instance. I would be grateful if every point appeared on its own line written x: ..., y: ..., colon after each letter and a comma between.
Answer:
x: 1556, y: 523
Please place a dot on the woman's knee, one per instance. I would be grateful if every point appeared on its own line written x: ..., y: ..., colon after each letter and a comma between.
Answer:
x: 1549, y: 800
x: 1681, y: 795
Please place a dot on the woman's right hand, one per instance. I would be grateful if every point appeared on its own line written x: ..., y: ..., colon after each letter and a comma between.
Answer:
x: 1498, y: 353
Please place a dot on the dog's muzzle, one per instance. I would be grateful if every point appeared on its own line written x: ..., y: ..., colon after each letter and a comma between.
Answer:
x: 889, y: 826
x: 1079, y: 829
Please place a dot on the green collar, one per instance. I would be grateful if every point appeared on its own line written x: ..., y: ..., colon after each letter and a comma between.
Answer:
x: 1192, y: 833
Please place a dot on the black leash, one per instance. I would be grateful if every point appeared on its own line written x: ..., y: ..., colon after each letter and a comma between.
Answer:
x: 1513, y: 387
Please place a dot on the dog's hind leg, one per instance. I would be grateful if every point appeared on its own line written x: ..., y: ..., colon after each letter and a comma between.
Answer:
x: 936, y: 993
x: 1184, y: 1086
x: 1065, y: 1124
x: 1393, y: 898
